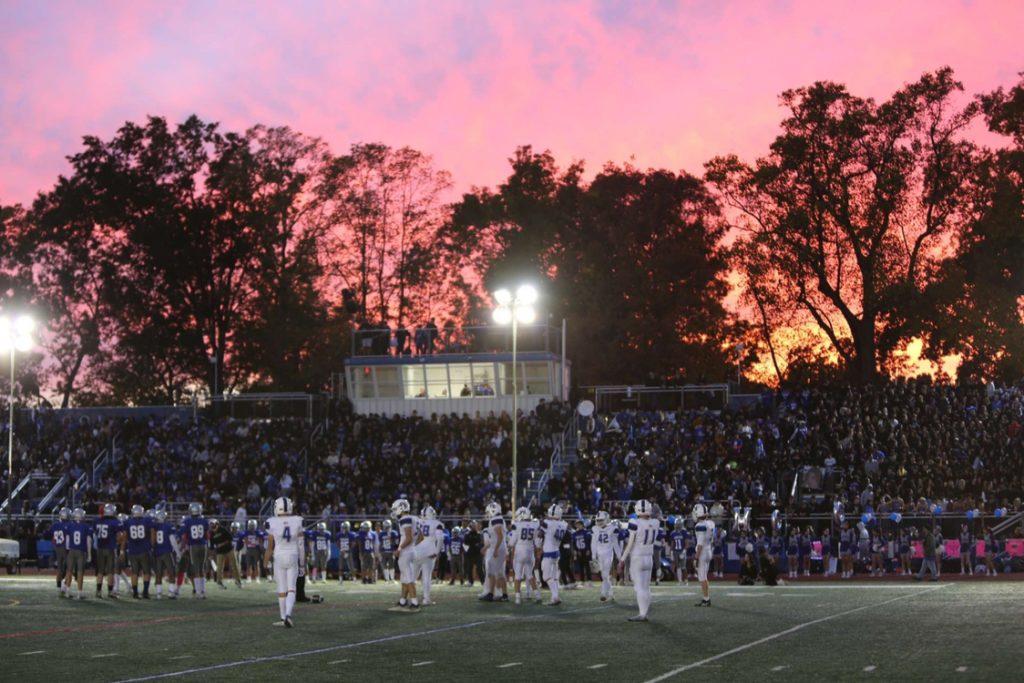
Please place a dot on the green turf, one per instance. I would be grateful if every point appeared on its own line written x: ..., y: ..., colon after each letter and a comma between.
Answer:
x: 907, y: 631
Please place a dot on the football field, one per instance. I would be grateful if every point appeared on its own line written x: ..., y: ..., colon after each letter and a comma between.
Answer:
x: 969, y: 630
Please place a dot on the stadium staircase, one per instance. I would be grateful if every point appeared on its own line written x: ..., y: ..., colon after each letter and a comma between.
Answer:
x: 534, y: 491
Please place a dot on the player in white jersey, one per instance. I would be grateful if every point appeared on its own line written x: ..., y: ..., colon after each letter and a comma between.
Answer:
x: 285, y: 544
x: 496, y: 555
x: 551, y: 532
x: 604, y: 547
x: 408, y: 528
x: 705, y: 533
x: 431, y: 534
x: 523, y: 537
x: 643, y: 532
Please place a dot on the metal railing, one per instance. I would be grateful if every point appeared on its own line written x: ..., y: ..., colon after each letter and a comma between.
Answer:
x: 382, y: 341
x: 566, y: 439
x: 98, y: 465
x: 17, y: 490
x: 640, y: 397
x: 52, y: 494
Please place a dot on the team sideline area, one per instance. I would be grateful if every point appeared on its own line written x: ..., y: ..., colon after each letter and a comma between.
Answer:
x: 823, y: 630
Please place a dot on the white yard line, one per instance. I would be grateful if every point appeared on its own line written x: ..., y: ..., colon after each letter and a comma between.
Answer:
x: 340, y: 661
x: 509, y: 665
x: 112, y: 654
x: 597, y: 666
x: 34, y: 652
x: 869, y: 669
x: 780, y: 667
x: 961, y: 669
x: 422, y: 663
x: 788, y: 631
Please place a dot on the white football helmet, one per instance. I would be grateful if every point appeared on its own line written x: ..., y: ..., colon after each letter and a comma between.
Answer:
x: 78, y: 514
x: 283, y: 506
x: 195, y: 509
x: 555, y: 511
x: 109, y: 510
x: 345, y: 526
x: 602, y: 518
x: 493, y: 509
x: 428, y: 513
x: 699, y: 511
x: 523, y: 514
x: 161, y: 516
x: 386, y: 525
x: 138, y: 511
x: 65, y: 514
x: 399, y: 507
x: 365, y: 526
x: 642, y: 508
x: 252, y: 525
x: 321, y: 526
x: 235, y: 527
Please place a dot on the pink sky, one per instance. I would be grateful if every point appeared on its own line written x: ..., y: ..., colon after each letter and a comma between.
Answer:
x: 669, y: 84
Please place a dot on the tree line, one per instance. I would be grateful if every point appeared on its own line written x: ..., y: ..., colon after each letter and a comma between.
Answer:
x: 171, y: 257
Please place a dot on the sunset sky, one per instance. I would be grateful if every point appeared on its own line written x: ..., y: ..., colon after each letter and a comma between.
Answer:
x: 668, y: 84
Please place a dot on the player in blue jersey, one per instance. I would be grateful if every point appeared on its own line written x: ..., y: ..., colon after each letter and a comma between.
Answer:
x: 109, y: 541
x: 163, y: 554
x: 252, y: 540
x: 60, y: 546
x: 368, y: 549
x: 581, y: 552
x: 677, y: 548
x: 138, y: 531
x: 196, y: 532
x: 78, y: 542
x: 388, y: 543
x: 321, y: 544
x: 344, y: 541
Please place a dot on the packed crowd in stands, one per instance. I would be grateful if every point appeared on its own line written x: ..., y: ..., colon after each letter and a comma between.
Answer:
x: 903, y: 446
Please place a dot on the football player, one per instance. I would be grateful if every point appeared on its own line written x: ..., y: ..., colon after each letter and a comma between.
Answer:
x: 139, y: 530
x: 285, y: 548
x: 388, y: 543
x: 321, y: 551
x: 605, y: 548
x: 643, y: 532
x: 718, y: 552
x: 846, y: 549
x: 677, y: 545
x: 368, y: 548
x: 107, y: 532
x: 163, y: 549
x: 581, y: 552
x: 237, y: 543
x: 523, y: 533
x: 496, y: 557
x: 427, y: 550
x: 58, y: 536
x: 197, y: 538
x: 253, y: 541
x: 344, y: 541
x: 180, y: 538
x: 407, y: 528
x: 78, y: 536
x: 551, y: 532
x: 622, y: 531
x: 705, y: 535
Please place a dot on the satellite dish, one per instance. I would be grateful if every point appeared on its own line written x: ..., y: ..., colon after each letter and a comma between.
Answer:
x: 585, y: 408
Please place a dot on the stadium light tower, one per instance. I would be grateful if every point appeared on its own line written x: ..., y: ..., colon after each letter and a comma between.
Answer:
x: 515, y: 309
x: 15, y: 335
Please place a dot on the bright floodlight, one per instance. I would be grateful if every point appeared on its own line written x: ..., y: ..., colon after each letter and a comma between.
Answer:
x: 503, y: 315
x: 525, y: 314
x: 16, y: 334
x: 503, y: 297
x: 526, y: 295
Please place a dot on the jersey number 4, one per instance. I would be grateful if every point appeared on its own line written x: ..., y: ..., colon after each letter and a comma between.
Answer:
x: 287, y: 534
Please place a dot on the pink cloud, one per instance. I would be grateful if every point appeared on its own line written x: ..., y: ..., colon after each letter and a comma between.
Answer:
x: 668, y: 84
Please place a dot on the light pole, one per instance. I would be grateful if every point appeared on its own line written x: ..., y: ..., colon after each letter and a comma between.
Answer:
x: 515, y: 309
x: 740, y: 348
x: 15, y: 335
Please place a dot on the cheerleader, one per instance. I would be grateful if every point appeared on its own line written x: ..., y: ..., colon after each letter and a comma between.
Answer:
x: 806, y: 547
x: 826, y: 552
x: 718, y: 552
x: 990, y: 550
x: 966, y: 540
x: 877, y: 568
x: 905, y: 552
x: 846, y: 541
x: 793, y: 552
